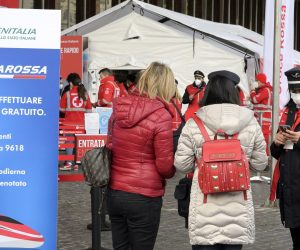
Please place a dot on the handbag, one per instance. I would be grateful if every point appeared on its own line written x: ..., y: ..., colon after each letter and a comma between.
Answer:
x: 96, y: 166
x: 177, y: 132
x: 223, y: 166
x: 182, y: 195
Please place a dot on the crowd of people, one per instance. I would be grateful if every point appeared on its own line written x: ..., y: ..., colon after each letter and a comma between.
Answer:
x: 145, y: 120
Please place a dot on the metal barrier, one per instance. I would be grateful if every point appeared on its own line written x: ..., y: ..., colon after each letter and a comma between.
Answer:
x: 259, y: 177
x: 67, y: 140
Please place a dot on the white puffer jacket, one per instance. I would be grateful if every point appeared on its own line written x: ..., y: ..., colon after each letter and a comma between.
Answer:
x: 226, y: 218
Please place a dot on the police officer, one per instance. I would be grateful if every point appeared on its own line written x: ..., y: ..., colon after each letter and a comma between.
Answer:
x: 286, y: 149
x: 194, y: 94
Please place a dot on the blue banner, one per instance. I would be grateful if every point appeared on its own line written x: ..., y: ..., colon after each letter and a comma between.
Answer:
x: 29, y: 99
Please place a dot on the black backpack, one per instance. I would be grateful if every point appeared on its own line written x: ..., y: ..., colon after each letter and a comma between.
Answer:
x: 96, y: 166
x: 177, y: 133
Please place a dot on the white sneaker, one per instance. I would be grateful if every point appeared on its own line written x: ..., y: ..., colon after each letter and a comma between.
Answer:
x: 66, y: 167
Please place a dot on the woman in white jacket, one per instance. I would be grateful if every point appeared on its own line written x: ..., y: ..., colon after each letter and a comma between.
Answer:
x: 226, y: 221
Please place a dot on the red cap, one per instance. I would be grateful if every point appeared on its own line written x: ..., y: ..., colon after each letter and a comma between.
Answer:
x: 261, y: 77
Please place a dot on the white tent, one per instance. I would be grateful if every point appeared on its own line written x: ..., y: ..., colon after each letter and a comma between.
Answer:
x: 133, y: 34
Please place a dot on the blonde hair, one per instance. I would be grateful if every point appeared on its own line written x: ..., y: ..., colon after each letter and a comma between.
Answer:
x: 157, y: 81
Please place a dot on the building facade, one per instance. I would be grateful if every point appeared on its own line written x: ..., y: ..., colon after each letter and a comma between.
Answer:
x: 247, y: 13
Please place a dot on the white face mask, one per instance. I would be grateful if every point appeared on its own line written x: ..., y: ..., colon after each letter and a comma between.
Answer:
x: 197, y: 82
x: 296, y: 98
x: 254, y: 85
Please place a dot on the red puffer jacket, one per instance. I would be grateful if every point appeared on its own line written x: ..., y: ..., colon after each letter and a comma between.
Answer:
x: 142, y: 145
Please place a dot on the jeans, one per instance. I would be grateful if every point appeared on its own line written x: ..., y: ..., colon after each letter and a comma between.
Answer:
x: 295, y: 233
x: 134, y: 220
x: 217, y: 247
x: 70, y: 151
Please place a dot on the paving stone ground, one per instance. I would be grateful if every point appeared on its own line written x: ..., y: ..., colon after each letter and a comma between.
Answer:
x: 74, y: 215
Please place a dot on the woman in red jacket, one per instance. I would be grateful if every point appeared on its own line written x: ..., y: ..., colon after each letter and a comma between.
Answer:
x: 142, y: 148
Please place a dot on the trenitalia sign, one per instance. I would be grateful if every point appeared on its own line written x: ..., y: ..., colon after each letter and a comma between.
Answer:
x: 29, y: 80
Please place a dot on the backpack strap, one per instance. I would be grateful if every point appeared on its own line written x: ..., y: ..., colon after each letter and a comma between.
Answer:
x: 201, y: 127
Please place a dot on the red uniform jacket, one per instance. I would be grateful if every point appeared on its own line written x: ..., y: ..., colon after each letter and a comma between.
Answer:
x: 123, y: 90
x: 176, y: 121
x: 262, y: 102
x: 142, y: 145
x: 242, y: 97
x: 74, y: 107
x: 108, y: 90
x: 194, y: 104
x: 262, y: 107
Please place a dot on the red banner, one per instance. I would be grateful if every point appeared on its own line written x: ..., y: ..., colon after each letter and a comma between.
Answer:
x: 10, y: 3
x: 87, y: 142
x: 70, y: 55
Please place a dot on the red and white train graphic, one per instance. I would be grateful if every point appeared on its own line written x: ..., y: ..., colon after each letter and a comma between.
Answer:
x: 14, y: 234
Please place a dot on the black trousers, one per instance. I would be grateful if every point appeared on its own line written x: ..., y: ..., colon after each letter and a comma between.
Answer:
x: 217, y: 247
x: 295, y: 233
x: 134, y: 220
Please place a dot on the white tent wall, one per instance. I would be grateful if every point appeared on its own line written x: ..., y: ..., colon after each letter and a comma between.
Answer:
x: 111, y: 46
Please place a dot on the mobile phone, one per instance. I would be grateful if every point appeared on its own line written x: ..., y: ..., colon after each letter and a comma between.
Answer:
x: 283, y: 128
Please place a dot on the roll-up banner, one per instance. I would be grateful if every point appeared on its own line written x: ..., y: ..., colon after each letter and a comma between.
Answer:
x: 29, y: 97
x: 286, y: 44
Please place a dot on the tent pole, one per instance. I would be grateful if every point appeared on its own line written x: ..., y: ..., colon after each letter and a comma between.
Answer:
x: 276, y: 84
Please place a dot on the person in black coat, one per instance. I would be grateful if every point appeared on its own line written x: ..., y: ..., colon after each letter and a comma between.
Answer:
x: 286, y: 148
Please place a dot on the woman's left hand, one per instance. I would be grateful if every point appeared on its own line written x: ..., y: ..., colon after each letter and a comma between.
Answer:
x: 291, y: 135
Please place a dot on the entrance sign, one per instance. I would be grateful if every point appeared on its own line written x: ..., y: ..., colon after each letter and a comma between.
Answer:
x: 29, y: 98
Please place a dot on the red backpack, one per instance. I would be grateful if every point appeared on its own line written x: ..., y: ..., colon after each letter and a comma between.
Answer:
x: 223, y: 166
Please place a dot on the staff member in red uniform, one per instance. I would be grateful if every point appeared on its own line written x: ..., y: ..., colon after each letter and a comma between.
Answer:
x: 176, y: 101
x: 261, y: 98
x: 108, y: 89
x: 74, y: 104
x: 194, y: 94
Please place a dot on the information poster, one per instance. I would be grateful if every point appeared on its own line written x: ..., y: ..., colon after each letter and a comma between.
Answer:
x: 29, y: 97
x: 104, y: 115
x: 71, y: 56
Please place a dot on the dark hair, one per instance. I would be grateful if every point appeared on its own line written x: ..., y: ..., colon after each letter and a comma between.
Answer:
x: 220, y: 90
x: 81, y: 88
x: 72, y: 76
x: 106, y: 71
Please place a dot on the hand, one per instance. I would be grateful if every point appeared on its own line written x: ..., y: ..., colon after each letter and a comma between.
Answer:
x: 191, y: 97
x: 291, y: 135
x: 279, y: 139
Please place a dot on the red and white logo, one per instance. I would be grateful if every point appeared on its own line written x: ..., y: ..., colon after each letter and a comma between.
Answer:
x: 77, y: 102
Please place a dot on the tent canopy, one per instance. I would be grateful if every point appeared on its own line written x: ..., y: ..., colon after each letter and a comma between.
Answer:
x: 133, y: 34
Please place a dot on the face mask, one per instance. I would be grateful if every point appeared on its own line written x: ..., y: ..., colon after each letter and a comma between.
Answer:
x: 296, y: 98
x: 197, y: 82
x: 61, y: 86
x: 254, y: 85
